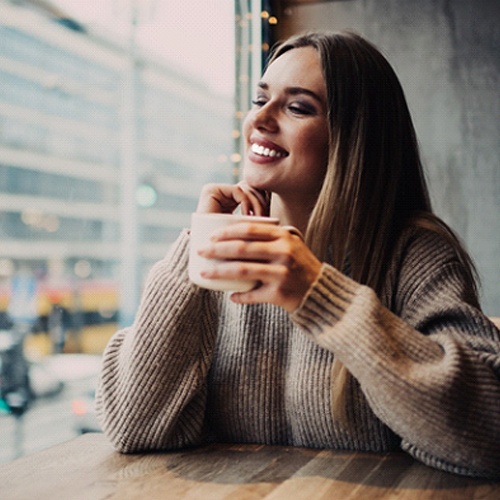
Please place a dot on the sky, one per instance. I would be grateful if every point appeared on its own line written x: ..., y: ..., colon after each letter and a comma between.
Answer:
x: 196, y: 36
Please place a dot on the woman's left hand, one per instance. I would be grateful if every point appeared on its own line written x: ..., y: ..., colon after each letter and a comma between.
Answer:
x: 275, y: 257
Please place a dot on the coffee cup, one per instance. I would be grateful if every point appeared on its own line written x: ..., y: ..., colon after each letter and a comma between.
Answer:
x: 202, y: 227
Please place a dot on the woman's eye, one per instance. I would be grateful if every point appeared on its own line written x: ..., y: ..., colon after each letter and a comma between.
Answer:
x: 301, y: 109
x: 259, y: 102
x: 296, y: 108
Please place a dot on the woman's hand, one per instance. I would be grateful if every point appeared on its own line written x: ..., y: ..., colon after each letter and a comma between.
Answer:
x: 225, y: 198
x: 272, y: 255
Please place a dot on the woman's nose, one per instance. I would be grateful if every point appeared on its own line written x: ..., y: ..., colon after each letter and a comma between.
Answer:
x: 265, y: 117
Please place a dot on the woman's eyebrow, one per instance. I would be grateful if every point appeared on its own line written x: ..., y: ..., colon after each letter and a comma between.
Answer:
x: 295, y: 91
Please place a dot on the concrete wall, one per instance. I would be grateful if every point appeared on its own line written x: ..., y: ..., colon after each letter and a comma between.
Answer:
x: 447, y: 55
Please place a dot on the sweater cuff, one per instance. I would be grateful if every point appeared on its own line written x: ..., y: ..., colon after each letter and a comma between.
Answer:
x: 326, y: 301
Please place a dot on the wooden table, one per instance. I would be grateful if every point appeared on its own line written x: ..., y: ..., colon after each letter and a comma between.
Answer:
x: 87, y: 468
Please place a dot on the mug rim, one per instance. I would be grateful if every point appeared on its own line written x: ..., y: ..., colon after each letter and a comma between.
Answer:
x: 254, y: 218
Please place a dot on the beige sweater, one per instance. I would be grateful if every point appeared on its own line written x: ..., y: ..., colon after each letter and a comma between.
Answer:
x: 426, y: 364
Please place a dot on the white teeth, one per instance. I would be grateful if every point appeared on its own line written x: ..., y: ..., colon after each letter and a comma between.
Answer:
x: 262, y: 151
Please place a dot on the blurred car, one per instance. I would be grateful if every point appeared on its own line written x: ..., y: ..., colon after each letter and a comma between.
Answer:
x: 83, y: 410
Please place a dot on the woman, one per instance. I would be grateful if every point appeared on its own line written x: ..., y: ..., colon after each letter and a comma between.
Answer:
x: 366, y: 335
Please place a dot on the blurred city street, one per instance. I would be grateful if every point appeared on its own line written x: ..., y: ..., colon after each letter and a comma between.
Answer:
x: 108, y: 131
x: 50, y: 419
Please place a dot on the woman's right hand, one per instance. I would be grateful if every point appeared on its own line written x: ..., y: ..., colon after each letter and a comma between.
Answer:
x: 225, y: 198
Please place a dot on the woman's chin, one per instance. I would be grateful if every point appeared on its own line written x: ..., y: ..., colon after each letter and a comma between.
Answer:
x: 257, y: 182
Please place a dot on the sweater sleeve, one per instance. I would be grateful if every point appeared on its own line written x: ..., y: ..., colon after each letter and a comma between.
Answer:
x: 430, y: 370
x: 152, y: 389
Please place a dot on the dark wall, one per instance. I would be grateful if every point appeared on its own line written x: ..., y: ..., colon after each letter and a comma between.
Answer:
x: 447, y: 55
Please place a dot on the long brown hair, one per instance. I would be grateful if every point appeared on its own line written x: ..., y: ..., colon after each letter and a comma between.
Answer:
x: 374, y: 184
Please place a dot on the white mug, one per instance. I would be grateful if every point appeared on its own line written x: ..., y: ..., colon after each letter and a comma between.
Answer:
x: 202, y: 227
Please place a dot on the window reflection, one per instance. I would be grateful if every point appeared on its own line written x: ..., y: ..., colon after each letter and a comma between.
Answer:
x: 63, y: 108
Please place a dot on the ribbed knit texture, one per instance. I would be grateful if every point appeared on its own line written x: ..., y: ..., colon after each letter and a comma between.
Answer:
x: 425, y: 365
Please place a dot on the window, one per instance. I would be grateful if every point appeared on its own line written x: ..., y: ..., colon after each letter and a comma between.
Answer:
x: 107, y: 134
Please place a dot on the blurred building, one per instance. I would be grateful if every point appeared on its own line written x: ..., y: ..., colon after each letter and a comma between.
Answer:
x: 83, y: 121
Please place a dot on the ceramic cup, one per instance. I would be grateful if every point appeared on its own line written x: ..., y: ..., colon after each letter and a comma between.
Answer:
x: 202, y: 227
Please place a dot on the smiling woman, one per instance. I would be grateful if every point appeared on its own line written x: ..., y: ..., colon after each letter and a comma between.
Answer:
x: 366, y: 334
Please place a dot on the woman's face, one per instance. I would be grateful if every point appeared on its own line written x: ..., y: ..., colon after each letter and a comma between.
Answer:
x: 286, y: 131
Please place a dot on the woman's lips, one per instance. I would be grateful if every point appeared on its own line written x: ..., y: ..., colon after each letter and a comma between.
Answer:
x: 266, y: 150
x: 269, y: 152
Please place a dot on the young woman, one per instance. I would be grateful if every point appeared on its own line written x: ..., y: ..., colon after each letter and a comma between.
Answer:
x: 366, y: 334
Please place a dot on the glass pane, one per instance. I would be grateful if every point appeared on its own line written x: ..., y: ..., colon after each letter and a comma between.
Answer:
x: 113, y: 114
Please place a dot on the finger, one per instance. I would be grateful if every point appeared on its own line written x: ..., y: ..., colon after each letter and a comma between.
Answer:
x: 235, y: 250
x: 275, y: 289
x: 242, y: 270
x: 257, y: 203
x: 243, y: 199
x: 219, y: 198
x: 246, y: 206
x: 249, y: 231
x: 293, y: 230
x: 257, y: 230
x: 225, y: 198
x: 270, y: 293
x: 260, y: 195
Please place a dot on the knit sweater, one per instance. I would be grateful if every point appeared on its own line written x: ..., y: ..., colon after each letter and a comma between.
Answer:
x: 424, y: 360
